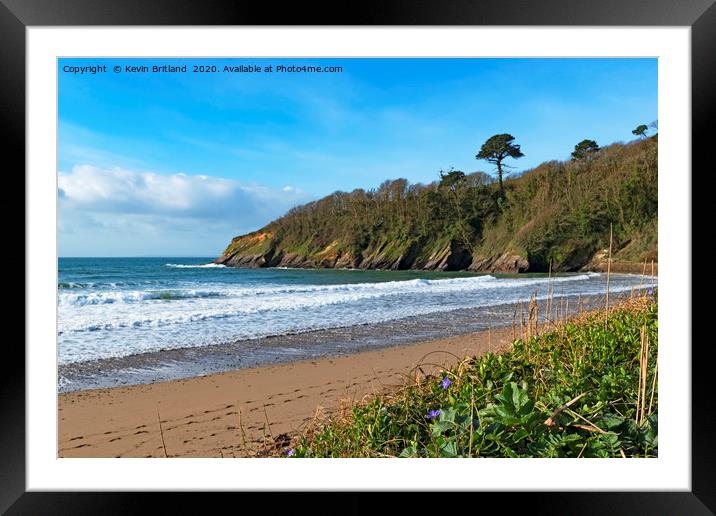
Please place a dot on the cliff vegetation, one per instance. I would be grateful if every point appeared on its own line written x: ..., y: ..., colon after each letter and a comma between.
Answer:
x: 558, y: 214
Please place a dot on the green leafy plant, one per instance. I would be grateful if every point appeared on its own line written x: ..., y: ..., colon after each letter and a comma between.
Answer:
x: 573, y: 392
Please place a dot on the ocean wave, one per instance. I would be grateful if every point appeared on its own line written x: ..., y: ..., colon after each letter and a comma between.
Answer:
x: 76, y: 285
x: 362, y: 290
x: 110, y: 297
x: 406, y: 286
x: 286, y: 304
x: 160, y: 320
x: 195, y: 266
x: 73, y: 285
x: 283, y: 300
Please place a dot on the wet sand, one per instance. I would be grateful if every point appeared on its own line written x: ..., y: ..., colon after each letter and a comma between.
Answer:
x: 204, y: 416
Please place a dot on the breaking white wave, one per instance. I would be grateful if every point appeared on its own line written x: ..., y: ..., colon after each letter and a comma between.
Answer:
x: 355, y: 290
x: 197, y: 266
x: 105, y: 321
x: 133, y: 296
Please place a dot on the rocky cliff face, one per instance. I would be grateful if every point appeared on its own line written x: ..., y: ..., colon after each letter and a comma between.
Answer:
x: 261, y: 249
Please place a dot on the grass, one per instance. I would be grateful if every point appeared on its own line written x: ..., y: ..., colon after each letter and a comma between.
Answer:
x: 586, y: 388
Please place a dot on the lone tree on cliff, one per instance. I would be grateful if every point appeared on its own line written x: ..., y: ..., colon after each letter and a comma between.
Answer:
x: 640, y: 131
x: 584, y: 150
x: 496, y: 149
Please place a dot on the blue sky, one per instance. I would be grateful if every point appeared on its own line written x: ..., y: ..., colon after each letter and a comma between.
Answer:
x: 176, y: 164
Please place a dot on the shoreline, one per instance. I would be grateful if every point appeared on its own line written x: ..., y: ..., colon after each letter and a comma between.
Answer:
x: 175, y: 364
x: 213, y: 415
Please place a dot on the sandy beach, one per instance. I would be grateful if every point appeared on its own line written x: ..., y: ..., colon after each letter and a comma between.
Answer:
x: 204, y: 416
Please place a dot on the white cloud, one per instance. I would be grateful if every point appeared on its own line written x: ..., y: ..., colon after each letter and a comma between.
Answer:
x: 170, y: 211
x: 128, y: 192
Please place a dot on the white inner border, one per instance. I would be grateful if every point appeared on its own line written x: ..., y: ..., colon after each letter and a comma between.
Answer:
x: 671, y: 471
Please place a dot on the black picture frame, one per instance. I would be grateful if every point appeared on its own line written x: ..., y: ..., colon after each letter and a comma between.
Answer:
x: 699, y: 15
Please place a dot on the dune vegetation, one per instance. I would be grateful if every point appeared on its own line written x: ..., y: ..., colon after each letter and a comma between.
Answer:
x: 586, y: 387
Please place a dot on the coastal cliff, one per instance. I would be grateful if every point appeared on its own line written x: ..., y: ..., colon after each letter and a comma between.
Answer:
x: 261, y: 249
x: 558, y: 214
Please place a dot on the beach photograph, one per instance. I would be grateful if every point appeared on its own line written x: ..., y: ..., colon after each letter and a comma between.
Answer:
x: 357, y: 258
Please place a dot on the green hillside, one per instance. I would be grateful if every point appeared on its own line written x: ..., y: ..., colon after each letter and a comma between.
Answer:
x: 558, y: 213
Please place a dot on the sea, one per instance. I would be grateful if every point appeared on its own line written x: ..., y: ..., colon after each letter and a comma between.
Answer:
x: 123, y: 321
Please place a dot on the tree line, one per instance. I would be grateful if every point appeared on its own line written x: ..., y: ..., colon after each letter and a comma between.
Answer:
x: 554, y: 212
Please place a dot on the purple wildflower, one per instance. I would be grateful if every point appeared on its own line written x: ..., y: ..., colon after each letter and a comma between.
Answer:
x: 445, y: 383
x: 650, y: 292
x: 433, y: 414
x: 290, y: 452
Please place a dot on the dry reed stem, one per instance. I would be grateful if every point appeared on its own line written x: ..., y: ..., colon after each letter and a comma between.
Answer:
x: 241, y: 428
x: 550, y: 420
x: 472, y: 422
x: 489, y: 336
x: 595, y: 427
x: 589, y: 428
x: 645, y: 372
x: 268, y: 425
x: 653, y: 387
x: 567, y: 314
x: 639, y: 398
x: 421, y: 362
x: 550, y: 292
x: 584, y: 447
x: 529, y: 319
x: 638, y: 390
x: 609, y: 270
x: 555, y: 317
x: 161, y: 432
x: 643, y: 273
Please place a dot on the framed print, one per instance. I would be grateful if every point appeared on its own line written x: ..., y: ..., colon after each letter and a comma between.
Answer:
x: 298, y: 251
